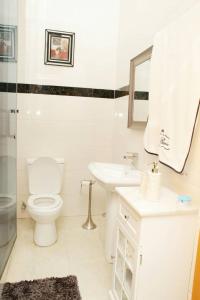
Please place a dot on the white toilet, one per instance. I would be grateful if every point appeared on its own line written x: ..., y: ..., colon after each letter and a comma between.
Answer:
x: 44, y: 205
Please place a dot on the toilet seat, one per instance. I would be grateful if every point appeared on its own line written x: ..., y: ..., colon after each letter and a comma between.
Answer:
x: 44, y: 202
x: 6, y: 202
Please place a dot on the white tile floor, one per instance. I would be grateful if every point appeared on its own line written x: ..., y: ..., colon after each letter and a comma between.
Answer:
x: 77, y: 251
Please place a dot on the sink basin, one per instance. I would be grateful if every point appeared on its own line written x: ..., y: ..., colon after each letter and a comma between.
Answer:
x: 111, y: 176
x: 114, y: 175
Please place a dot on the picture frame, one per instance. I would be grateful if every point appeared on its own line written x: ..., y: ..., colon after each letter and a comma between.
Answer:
x: 8, y: 36
x: 59, y: 48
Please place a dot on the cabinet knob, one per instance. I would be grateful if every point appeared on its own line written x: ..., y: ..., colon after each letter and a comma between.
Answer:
x: 126, y: 217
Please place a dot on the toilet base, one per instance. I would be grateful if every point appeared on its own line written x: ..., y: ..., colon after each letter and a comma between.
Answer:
x: 45, y: 234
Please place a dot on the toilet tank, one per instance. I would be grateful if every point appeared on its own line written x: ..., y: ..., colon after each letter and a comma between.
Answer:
x: 45, y: 175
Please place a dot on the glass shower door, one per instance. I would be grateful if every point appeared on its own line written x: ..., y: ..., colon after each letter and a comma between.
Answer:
x: 8, y: 104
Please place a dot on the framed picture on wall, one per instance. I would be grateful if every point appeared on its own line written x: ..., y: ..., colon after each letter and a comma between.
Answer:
x: 59, y: 48
x: 8, y: 47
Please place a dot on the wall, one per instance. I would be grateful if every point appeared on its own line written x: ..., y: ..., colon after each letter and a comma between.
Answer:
x: 139, y: 21
x: 80, y: 129
x: 95, y: 27
x: 76, y: 128
x: 8, y: 16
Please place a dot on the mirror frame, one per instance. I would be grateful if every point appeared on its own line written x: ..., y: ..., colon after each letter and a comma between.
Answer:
x: 134, y: 62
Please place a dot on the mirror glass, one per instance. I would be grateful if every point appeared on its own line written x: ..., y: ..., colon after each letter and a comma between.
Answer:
x: 141, y: 94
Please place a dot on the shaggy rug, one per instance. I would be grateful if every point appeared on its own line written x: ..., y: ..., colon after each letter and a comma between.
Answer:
x: 65, y: 288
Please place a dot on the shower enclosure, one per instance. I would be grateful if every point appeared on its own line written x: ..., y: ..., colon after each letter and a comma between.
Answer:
x: 8, y: 104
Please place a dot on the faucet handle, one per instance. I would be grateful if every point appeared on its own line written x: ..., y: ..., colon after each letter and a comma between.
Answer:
x: 131, y: 155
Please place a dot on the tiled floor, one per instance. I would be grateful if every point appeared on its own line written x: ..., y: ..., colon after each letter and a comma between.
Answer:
x: 77, y: 251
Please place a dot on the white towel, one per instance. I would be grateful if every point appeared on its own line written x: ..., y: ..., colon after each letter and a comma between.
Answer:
x: 174, y: 90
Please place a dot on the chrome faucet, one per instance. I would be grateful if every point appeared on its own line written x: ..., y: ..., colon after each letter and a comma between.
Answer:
x: 132, y: 156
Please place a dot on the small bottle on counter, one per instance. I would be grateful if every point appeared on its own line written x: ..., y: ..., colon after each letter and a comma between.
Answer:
x: 153, y: 183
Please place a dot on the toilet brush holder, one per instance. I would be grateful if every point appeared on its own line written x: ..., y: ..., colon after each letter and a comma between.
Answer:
x: 89, y: 224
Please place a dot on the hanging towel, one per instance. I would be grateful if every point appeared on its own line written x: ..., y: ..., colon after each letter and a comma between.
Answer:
x: 174, y: 90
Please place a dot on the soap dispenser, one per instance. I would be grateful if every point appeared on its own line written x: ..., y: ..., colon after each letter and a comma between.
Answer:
x: 153, y: 183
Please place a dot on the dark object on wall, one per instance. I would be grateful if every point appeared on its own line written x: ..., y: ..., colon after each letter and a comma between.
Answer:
x: 8, y: 35
x: 59, y: 48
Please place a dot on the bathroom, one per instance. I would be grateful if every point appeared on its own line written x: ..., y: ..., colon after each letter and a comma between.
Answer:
x: 77, y: 113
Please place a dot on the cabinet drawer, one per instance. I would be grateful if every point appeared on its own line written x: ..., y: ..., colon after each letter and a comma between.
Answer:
x: 129, y: 219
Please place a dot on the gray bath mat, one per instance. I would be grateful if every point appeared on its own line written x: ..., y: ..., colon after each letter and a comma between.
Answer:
x: 54, y: 288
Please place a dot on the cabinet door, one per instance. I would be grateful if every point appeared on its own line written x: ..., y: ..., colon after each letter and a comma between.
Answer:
x: 126, y: 265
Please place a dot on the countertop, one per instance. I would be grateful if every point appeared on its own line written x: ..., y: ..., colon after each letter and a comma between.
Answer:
x: 166, y: 205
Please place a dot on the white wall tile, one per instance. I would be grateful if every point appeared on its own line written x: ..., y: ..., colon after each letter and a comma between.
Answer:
x: 127, y: 139
x: 75, y: 128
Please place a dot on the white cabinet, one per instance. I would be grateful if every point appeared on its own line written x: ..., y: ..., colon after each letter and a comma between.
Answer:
x: 154, y: 247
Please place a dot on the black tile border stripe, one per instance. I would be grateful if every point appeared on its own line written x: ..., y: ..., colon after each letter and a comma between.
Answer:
x: 120, y: 93
x: 8, y: 87
x: 123, y: 91
x: 68, y: 91
x: 138, y: 95
x: 141, y: 95
x: 64, y: 91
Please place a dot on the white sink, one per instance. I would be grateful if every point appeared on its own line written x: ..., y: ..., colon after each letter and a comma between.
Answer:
x: 111, y: 176
x: 114, y: 175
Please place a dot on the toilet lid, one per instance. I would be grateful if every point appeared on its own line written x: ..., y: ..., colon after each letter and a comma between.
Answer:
x: 43, y: 202
x: 44, y: 176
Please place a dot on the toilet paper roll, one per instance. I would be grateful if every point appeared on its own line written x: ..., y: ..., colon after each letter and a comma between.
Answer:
x: 153, y: 186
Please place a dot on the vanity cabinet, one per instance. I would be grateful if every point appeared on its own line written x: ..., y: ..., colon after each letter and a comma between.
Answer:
x: 154, y: 247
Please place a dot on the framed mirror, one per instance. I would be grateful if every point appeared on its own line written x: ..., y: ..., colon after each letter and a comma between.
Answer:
x: 139, y: 87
